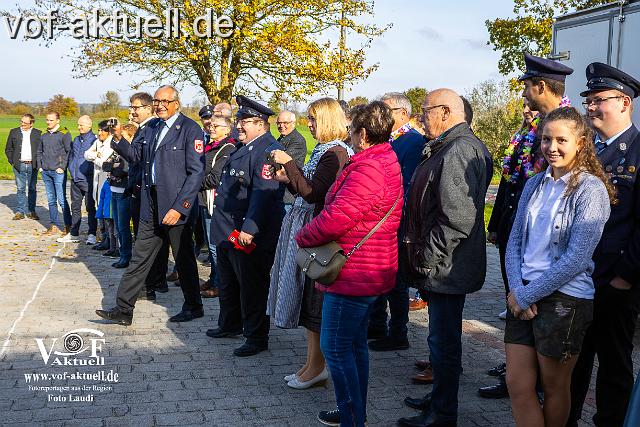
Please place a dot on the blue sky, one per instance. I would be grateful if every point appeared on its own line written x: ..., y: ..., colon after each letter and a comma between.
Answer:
x: 431, y: 44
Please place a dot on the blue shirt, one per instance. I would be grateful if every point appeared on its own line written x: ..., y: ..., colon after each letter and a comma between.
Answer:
x: 165, y: 128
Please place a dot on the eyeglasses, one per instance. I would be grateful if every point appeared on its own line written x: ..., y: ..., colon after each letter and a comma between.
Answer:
x: 597, y: 101
x: 137, y: 107
x: 427, y: 109
x: 245, y: 122
x: 164, y: 102
x: 282, y: 123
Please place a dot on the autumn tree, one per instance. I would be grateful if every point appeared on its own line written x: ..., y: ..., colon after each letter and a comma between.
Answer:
x: 65, y: 106
x: 416, y: 96
x: 358, y: 100
x: 109, y: 103
x: 279, y: 46
x: 497, y: 115
x: 5, y: 106
x: 530, y: 30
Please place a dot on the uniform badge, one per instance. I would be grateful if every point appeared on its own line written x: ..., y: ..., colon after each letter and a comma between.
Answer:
x: 233, y: 172
x: 266, y: 172
x: 620, y: 169
x: 186, y: 204
x: 241, y: 173
x: 608, y: 168
x: 632, y: 169
x: 623, y: 146
x: 198, y: 144
x: 251, y: 148
x: 177, y: 127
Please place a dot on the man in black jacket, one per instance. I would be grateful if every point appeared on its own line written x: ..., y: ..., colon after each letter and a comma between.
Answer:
x: 171, y: 155
x: 21, y: 151
x: 443, y: 245
x: 294, y: 144
x: 616, y: 303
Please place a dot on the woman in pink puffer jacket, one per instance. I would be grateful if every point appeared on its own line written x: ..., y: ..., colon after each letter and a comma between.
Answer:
x: 369, y: 187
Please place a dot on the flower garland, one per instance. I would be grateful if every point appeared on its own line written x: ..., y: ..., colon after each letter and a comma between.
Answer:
x: 526, y: 165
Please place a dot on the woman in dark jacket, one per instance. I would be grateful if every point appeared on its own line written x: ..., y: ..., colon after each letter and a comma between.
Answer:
x: 217, y: 151
x: 293, y: 299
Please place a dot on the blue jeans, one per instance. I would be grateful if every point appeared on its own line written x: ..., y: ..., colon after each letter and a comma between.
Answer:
x: 55, y: 185
x: 26, y: 179
x: 445, y: 347
x: 343, y: 340
x: 213, y: 259
x: 120, y: 207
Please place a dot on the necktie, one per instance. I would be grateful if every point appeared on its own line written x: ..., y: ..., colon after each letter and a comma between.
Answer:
x: 600, y: 146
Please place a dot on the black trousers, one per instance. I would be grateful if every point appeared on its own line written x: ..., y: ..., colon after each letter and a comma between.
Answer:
x: 158, y: 273
x: 610, y: 336
x: 77, y: 194
x: 134, y: 207
x: 151, y: 238
x: 243, y: 292
x: 398, y: 299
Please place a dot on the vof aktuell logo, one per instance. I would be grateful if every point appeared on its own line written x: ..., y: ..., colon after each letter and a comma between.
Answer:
x: 80, y: 347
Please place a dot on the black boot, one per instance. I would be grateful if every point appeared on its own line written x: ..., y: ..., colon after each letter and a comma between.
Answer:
x: 497, y: 391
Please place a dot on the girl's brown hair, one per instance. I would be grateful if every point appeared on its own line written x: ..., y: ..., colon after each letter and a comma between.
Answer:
x: 586, y: 159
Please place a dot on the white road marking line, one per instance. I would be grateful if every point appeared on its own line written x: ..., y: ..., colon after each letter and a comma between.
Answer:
x: 33, y: 297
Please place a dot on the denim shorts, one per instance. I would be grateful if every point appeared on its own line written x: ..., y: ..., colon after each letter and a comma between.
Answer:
x: 558, y: 329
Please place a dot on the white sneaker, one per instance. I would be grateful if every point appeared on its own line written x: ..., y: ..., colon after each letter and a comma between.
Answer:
x: 68, y: 238
x: 502, y: 315
x: 91, y: 239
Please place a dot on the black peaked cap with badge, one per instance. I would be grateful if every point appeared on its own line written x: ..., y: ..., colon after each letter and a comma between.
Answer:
x: 206, y: 112
x: 605, y: 77
x: 248, y: 108
x: 544, y: 68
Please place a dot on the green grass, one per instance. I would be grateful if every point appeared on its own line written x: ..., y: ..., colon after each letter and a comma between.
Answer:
x: 488, y: 208
x: 8, y: 122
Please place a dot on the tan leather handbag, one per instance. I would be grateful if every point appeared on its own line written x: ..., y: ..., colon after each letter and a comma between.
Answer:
x: 323, y: 263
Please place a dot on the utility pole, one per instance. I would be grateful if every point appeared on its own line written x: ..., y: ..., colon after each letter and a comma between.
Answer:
x: 343, y: 35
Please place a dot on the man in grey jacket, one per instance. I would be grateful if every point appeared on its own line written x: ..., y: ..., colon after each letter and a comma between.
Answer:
x: 443, y: 248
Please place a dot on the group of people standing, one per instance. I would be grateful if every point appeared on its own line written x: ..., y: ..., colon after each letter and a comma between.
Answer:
x: 407, y: 211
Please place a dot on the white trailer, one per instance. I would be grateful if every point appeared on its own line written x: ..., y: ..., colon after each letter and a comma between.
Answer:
x: 609, y: 33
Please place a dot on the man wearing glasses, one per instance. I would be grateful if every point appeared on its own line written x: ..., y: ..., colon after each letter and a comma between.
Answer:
x: 294, y: 144
x: 171, y: 157
x: 21, y: 151
x: 246, y: 222
x: 609, y: 104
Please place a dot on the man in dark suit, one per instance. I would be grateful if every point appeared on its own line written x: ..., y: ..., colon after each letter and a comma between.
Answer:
x: 21, y: 151
x: 609, y: 104
x: 172, y: 162
x: 248, y: 203
x: 294, y: 144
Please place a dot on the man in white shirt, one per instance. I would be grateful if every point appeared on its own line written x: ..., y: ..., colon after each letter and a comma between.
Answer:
x: 21, y: 150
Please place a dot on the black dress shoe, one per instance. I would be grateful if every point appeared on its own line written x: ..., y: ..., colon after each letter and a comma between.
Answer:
x: 249, y: 349
x: 120, y: 264
x: 421, y: 403
x: 219, y: 333
x: 114, y: 254
x: 426, y: 419
x: 147, y: 294
x: 102, y: 246
x: 389, y: 344
x: 115, y: 315
x: 187, y: 315
x: 496, y: 371
x: 497, y: 391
